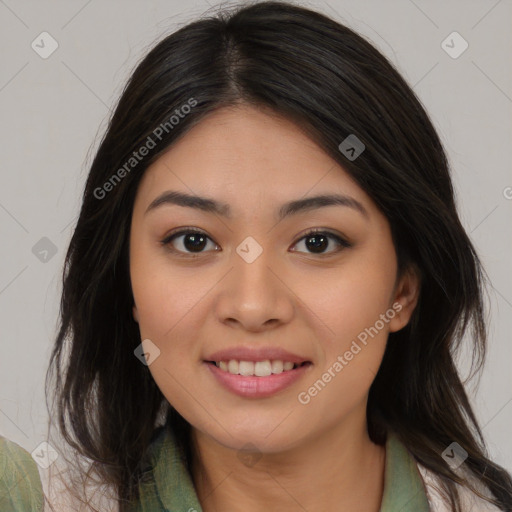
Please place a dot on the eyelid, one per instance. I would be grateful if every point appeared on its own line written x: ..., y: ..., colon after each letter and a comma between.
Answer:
x: 342, y: 240
x: 182, y: 231
x: 166, y: 241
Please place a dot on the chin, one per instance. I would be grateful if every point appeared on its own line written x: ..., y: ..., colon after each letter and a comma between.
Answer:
x: 265, y: 440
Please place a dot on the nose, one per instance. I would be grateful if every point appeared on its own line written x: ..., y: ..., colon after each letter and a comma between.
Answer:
x: 254, y: 296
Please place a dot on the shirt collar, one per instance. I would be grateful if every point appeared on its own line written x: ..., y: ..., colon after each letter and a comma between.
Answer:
x: 168, y: 486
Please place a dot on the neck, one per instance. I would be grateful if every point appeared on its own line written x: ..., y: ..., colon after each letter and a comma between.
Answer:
x: 341, y: 469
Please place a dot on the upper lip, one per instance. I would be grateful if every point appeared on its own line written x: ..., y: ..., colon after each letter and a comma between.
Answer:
x: 246, y: 353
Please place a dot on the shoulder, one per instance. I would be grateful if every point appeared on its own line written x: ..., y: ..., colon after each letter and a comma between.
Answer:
x: 20, y: 483
x: 469, y: 500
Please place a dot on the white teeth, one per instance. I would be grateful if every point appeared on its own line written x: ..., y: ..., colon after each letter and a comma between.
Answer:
x: 263, y: 368
x: 277, y: 366
x: 233, y: 367
x: 258, y: 368
x: 246, y: 368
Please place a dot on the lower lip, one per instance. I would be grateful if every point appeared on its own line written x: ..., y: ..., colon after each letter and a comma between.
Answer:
x: 257, y: 387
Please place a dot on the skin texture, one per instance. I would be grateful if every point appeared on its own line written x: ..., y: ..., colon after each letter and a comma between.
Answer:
x: 316, y: 455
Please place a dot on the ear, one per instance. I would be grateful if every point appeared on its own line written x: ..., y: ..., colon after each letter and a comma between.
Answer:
x: 406, y: 296
x: 135, y: 314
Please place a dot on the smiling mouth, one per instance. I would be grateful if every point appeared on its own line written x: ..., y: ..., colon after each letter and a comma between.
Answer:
x: 263, y: 368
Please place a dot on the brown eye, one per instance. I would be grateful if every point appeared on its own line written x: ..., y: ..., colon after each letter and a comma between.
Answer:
x: 187, y: 241
x: 190, y: 242
x: 317, y: 242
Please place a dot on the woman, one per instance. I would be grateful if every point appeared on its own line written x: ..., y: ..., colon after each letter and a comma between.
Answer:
x: 267, y: 283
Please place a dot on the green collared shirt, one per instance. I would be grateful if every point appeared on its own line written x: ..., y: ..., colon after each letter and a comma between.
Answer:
x: 20, y: 485
x: 167, y: 486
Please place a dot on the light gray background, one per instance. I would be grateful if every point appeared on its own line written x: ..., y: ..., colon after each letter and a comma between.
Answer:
x: 54, y: 110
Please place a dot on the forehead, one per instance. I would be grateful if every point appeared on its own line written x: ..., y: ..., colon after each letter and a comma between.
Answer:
x: 244, y: 154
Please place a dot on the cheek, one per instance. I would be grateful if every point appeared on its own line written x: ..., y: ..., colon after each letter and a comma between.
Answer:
x: 173, y: 303
x: 170, y: 317
x: 163, y: 293
x: 168, y: 305
x: 356, y: 310
x: 352, y: 351
x: 353, y: 297
x: 372, y: 280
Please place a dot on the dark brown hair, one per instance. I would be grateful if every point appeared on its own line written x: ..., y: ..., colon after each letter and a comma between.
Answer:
x: 333, y: 83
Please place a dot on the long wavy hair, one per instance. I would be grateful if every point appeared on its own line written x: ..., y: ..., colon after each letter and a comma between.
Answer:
x: 332, y: 82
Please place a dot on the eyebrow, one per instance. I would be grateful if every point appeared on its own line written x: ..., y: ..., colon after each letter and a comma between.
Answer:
x: 209, y: 205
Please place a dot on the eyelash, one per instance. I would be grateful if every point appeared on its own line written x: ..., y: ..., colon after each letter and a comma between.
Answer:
x: 194, y: 231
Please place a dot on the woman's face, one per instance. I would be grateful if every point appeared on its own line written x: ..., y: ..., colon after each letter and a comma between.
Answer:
x: 254, y: 285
